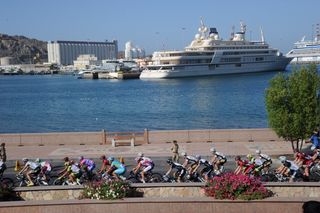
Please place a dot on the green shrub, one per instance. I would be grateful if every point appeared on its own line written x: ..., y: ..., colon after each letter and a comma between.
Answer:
x: 109, y: 190
x: 231, y: 186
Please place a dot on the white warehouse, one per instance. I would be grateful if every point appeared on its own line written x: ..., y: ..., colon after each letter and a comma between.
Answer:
x: 65, y: 52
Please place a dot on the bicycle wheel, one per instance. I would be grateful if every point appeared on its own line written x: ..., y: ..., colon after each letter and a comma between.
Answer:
x: 133, y: 180
x: 57, y: 182
x: 156, y: 178
x: 7, y: 183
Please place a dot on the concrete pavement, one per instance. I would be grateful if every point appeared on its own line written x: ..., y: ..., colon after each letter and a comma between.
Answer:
x: 152, y: 150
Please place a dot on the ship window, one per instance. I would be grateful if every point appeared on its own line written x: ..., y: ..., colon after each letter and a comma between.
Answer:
x: 259, y: 59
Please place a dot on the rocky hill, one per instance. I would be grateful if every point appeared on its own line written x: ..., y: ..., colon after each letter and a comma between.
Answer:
x: 23, y: 49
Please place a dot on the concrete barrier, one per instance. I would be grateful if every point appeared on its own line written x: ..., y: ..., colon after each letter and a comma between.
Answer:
x: 163, y: 190
x: 156, y: 205
x: 104, y: 137
x: 289, y: 199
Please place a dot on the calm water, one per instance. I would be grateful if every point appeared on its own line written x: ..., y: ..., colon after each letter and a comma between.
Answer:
x: 63, y: 103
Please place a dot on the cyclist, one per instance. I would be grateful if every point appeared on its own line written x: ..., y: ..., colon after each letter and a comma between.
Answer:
x: 145, y: 164
x: 117, y: 169
x: 181, y: 171
x: 3, y: 167
x: 104, y: 165
x: 45, y: 168
x: 87, y: 165
x: 194, y: 162
x: 73, y: 172
x: 208, y: 168
x: 30, y: 168
x: 218, y: 160
x: 188, y: 159
x: 263, y: 162
x: 314, y: 139
x: 240, y: 165
x: 288, y: 168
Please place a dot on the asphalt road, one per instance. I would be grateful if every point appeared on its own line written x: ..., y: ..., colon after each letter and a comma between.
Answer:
x: 161, y: 166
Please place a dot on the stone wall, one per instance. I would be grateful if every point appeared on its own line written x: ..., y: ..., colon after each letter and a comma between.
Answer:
x: 281, y: 190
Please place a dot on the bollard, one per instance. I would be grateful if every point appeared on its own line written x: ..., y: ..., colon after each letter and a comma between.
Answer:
x: 17, y: 167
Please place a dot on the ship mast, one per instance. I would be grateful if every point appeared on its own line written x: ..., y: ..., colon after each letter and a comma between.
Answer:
x: 262, y: 35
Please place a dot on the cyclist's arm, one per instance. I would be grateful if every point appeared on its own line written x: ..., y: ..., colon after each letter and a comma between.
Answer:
x: 24, y: 169
x: 135, y: 170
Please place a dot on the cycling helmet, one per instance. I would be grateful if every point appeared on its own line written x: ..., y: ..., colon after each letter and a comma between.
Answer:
x: 110, y: 159
x: 140, y: 154
x: 65, y: 159
x: 25, y: 159
x: 249, y: 156
x: 313, y: 148
x: 183, y: 154
x: 213, y: 150
x: 258, y: 152
x: 138, y: 159
x: 81, y: 158
x: 282, y: 159
x: 37, y: 160
x: 102, y: 157
x: 237, y: 158
x: 198, y: 157
x: 169, y: 161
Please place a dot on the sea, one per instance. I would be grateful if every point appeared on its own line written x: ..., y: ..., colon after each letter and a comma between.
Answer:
x: 63, y: 103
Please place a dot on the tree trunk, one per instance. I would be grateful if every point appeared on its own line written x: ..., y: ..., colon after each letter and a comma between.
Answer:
x: 292, y: 145
x: 301, y: 144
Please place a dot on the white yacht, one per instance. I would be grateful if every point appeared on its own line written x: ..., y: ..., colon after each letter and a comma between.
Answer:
x: 306, y: 51
x: 208, y: 55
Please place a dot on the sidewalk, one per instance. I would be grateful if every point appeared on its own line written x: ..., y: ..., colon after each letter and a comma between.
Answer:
x: 152, y: 150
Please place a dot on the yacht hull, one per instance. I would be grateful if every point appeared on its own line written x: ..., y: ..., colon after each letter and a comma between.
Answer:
x: 209, y: 70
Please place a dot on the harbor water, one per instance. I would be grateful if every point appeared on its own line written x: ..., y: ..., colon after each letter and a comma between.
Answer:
x: 61, y: 103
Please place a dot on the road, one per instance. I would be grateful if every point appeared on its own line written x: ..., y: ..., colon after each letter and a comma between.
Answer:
x: 161, y: 165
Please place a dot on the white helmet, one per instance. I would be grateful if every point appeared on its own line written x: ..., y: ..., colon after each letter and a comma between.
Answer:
x: 258, y: 151
x: 140, y: 154
x: 183, y: 154
x: 198, y: 157
x: 213, y: 150
x: 313, y: 147
x: 37, y: 160
x: 282, y: 159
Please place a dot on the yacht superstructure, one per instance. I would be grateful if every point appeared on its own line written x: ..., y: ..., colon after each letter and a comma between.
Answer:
x: 208, y: 54
x: 306, y: 51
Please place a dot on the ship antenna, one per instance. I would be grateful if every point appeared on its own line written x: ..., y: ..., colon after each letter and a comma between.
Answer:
x: 203, y: 29
x: 262, y: 35
x: 243, y: 27
x: 317, y: 33
x: 232, y: 32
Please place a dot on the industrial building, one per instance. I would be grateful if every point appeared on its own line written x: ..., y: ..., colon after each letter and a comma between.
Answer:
x: 65, y: 52
x: 132, y: 52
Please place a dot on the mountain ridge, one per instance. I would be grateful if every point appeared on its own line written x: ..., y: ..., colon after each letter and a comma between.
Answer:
x: 23, y: 49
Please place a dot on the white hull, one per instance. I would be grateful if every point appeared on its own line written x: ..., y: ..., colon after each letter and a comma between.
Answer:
x: 205, y: 70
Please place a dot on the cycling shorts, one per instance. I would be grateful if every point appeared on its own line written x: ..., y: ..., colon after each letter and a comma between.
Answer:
x: 120, y: 170
x: 76, y: 175
x: 148, y: 168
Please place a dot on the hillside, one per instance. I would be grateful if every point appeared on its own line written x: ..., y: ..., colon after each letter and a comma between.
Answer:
x: 23, y: 49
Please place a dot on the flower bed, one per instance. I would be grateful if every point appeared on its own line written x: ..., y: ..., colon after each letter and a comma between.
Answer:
x: 108, y: 190
x: 231, y: 186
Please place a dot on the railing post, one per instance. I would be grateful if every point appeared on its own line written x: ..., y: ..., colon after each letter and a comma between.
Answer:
x: 146, y: 136
x: 103, y: 137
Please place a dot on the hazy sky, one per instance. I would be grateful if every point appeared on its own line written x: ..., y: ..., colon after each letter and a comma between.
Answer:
x: 156, y: 25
